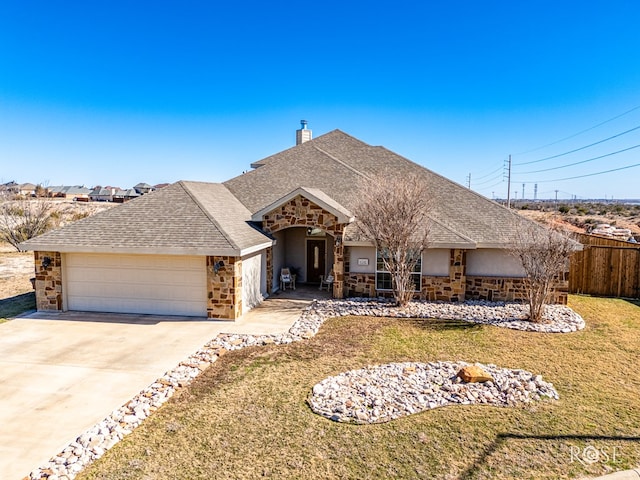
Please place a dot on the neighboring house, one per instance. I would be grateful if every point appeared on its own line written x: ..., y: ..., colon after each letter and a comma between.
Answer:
x: 70, y: 192
x: 11, y: 188
x: 143, y: 188
x: 121, y: 196
x: 99, y: 194
x: 27, y: 189
x: 216, y: 250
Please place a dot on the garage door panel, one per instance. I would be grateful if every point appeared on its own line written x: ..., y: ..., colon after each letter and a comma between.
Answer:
x: 170, y: 285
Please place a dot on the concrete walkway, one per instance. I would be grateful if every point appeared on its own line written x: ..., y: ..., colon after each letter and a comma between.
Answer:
x: 61, y: 373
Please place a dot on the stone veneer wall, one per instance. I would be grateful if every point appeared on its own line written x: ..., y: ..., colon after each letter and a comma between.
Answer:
x: 500, y: 289
x: 269, y: 270
x: 48, y: 281
x: 224, y: 289
x: 302, y: 212
x: 458, y: 286
x: 360, y: 285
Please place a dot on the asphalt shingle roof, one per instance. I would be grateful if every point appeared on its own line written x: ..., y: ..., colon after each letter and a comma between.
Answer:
x: 337, y: 164
x: 184, y: 218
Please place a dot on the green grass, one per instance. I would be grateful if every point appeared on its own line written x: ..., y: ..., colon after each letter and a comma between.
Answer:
x: 247, y: 417
x: 14, y: 306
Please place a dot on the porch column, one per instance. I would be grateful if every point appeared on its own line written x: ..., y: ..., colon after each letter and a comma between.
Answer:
x: 224, y: 287
x: 269, y: 270
x: 338, y: 266
x: 48, y: 270
x: 458, y: 274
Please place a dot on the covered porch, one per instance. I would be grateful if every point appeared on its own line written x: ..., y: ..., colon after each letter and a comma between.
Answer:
x: 308, y: 228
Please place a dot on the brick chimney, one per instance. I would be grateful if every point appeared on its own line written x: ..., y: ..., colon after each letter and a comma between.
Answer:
x: 303, y: 134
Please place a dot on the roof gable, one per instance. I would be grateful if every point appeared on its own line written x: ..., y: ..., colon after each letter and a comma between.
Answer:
x: 316, y: 196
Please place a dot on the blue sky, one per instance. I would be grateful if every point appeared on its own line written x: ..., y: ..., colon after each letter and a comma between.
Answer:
x: 128, y: 92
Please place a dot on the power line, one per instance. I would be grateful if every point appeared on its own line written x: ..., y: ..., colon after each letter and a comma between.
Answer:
x: 580, y: 132
x: 500, y: 175
x: 583, y: 161
x: 588, y: 175
x: 501, y: 167
x: 578, y: 149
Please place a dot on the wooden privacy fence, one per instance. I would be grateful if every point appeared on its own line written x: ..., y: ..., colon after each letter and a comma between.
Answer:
x: 605, y: 267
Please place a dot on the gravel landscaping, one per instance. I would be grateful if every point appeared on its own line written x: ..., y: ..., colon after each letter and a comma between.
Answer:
x: 508, y: 387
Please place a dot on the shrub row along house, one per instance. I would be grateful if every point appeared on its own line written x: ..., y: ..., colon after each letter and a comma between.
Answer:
x: 216, y: 250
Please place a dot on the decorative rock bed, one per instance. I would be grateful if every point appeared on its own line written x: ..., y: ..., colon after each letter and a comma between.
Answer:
x: 93, y: 443
x: 382, y: 393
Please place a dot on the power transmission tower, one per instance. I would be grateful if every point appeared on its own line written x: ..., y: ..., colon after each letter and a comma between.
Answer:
x: 535, y: 192
x: 523, y: 191
x: 469, y: 181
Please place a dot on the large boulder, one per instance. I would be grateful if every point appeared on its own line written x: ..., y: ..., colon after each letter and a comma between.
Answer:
x: 473, y: 374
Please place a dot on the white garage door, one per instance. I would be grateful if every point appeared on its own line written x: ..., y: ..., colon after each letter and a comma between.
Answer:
x: 155, y: 284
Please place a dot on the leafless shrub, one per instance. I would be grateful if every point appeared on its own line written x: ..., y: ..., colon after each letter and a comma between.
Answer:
x: 544, y: 254
x: 23, y: 219
x: 393, y: 213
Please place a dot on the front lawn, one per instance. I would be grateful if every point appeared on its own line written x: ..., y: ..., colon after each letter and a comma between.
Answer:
x: 247, y: 417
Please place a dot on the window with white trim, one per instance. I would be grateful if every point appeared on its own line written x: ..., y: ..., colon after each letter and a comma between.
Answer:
x: 383, y: 276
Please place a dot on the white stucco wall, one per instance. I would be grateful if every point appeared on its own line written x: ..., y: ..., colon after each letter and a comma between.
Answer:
x: 252, y: 291
x: 356, y: 253
x: 492, y: 262
x: 435, y: 262
x: 295, y: 250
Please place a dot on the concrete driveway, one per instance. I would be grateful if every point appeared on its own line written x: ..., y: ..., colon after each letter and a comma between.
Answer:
x: 62, y: 373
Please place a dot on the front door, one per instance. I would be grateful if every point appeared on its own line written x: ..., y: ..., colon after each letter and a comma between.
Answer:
x: 316, y: 258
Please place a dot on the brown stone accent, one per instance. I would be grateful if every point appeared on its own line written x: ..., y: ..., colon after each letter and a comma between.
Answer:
x: 338, y: 269
x: 437, y: 289
x: 360, y: 285
x: 508, y: 289
x: 269, y: 270
x: 495, y: 289
x: 48, y: 282
x: 451, y: 288
x: 474, y: 374
x: 302, y: 212
x: 224, y: 289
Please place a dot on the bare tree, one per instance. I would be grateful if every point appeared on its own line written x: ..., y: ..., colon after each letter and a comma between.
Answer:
x: 22, y: 219
x: 392, y: 212
x: 544, y: 254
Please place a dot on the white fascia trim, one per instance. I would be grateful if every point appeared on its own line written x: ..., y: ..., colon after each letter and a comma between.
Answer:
x: 358, y: 243
x: 466, y: 246
x: 197, y: 251
x: 256, y: 248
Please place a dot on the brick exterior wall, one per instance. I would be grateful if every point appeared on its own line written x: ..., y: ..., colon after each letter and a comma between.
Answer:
x: 48, y: 281
x: 224, y: 288
x: 302, y: 212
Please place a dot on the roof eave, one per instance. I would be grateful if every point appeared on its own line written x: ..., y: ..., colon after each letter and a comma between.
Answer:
x: 197, y: 251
